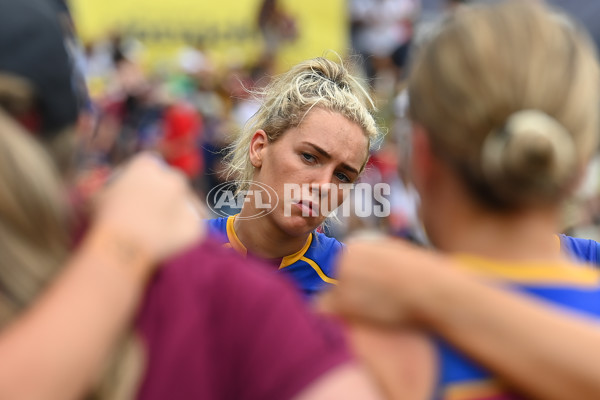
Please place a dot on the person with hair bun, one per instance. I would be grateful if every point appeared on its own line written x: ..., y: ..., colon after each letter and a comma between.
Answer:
x: 314, y: 130
x: 504, y: 104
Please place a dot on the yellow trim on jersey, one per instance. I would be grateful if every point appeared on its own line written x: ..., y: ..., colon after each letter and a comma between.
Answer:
x: 319, y: 271
x: 292, y: 258
x: 237, y: 245
x: 532, y: 272
x: 558, y: 243
x: 235, y: 242
x: 473, y: 390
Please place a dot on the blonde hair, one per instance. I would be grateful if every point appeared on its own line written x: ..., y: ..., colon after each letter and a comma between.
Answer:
x: 34, y: 231
x: 17, y: 97
x: 33, y: 219
x: 508, y: 93
x: 288, y: 99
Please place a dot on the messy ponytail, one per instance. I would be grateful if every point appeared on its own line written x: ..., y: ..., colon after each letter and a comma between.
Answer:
x: 286, y: 101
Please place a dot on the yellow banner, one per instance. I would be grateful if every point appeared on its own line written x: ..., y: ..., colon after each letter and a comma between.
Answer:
x: 227, y: 30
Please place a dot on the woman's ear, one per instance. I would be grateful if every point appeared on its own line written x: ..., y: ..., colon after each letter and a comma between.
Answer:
x: 258, y: 144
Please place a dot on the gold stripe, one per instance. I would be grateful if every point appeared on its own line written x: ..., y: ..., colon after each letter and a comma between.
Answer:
x: 532, y: 272
x: 236, y: 243
x: 292, y: 258
x: 319, y: 271
x: 473, y: 390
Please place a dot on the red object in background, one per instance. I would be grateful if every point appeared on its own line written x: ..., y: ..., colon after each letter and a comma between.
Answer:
x: 182, y: 127
x: 385, y: 161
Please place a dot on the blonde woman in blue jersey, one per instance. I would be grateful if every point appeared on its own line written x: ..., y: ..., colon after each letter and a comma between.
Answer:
x: 504, y: 104
x: 313, y: 129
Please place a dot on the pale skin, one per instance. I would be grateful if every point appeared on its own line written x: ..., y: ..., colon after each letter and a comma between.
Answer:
x: 58, y: 347
x: 349, y: 381
x: 313, y: 154
x: 401, y: 362
x: 536, y: 348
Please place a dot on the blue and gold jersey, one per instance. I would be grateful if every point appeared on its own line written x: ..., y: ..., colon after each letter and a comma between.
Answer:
x: 582, y: 250
x: 311, y: 268
x: 575, y: 287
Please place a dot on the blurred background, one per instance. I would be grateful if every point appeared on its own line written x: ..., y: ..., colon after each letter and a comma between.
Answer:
x: 176, y: 77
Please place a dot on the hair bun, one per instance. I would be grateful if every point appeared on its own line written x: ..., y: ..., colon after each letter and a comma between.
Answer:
x: 533, y: 150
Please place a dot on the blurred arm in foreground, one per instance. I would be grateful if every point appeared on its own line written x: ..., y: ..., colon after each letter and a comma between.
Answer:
x: 142, y: 217
x: 408, y: 286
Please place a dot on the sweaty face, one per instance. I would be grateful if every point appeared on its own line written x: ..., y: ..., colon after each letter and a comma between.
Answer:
x: 307, y: 167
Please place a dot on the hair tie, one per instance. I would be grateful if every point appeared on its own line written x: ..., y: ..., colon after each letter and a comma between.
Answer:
x: 532, y: 123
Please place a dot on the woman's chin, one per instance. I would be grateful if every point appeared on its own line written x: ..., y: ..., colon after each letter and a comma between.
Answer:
x: 297, y: 225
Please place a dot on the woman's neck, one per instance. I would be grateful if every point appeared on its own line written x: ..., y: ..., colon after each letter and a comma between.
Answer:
x: 460, y: 224
x: 264, y: 239
x: 520, y: 236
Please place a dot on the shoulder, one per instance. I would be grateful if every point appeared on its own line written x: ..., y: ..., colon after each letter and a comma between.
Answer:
x: 583, y: 250
x: 326, y: 242
x: 210, y: 314
x: 207, y: 270
x: 217, y: 224
x: 184, y: 316
x: 324, y: 246
x: 217, y: 229
x: 324, y: 251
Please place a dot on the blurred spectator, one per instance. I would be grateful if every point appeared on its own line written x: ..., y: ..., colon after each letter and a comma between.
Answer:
x: 179, y: 143
x: 276, y: 25
x: 380, y: 33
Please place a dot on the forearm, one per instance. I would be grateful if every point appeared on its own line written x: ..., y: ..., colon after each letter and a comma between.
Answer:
x: 349, y: 382
x: 58, y: 347
x: 545, y: 352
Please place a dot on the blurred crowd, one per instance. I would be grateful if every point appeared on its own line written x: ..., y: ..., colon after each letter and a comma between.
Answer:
x: 189, y: 114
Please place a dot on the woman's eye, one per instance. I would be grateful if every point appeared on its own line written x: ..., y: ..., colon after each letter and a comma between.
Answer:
x: 342, y: 177
x: 308, y: 157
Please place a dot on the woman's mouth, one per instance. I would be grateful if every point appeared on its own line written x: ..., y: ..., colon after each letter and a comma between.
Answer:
x: 308, y: 208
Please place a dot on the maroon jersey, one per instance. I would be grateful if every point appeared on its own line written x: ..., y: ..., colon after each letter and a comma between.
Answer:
x: 217, y: 326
